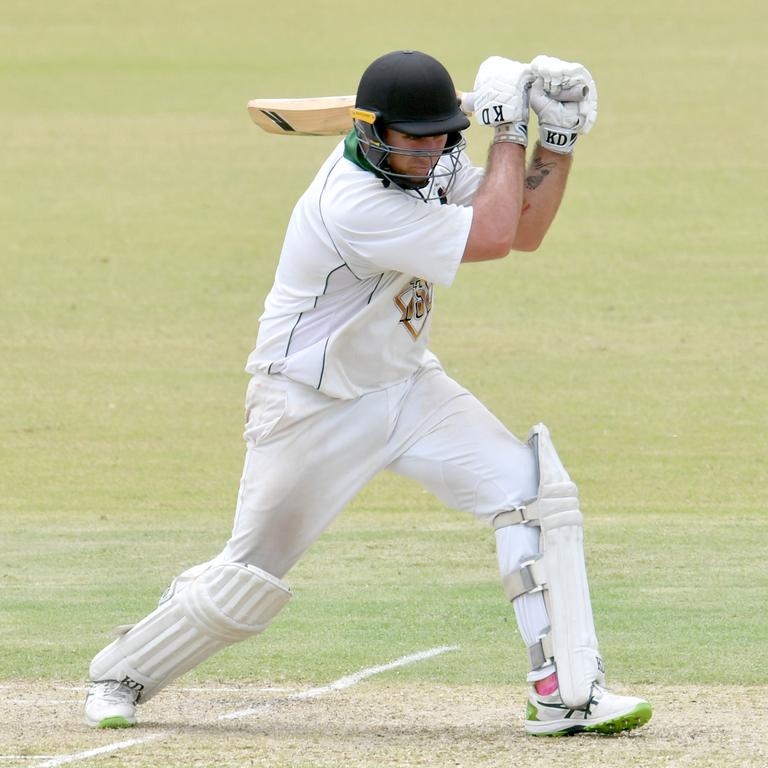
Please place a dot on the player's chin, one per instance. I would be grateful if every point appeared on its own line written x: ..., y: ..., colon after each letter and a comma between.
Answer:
x: 412, y: 184
x: 416, y: 181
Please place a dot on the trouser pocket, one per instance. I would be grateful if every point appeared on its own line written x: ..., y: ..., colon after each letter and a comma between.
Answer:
x: 266, y: 402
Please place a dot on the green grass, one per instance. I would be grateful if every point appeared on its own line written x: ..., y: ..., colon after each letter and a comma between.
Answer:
x: 676, y: 598
x: 141, y: 219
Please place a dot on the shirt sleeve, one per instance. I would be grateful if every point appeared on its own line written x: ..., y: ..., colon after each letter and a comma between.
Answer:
x: 381, y: 229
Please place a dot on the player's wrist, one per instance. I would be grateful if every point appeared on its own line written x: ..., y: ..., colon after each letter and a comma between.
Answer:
x: 547, y: 155
x: 541, y: 151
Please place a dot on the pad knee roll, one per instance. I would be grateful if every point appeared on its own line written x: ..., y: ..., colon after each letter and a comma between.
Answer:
x: 559, y: 571
x: 220, y: 606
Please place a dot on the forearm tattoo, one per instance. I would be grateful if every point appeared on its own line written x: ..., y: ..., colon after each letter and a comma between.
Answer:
x: 538, y: 171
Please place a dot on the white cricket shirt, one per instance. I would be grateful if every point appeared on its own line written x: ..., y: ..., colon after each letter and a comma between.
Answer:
x: 351, y: 305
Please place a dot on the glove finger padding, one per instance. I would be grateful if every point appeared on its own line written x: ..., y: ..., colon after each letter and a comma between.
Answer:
x: 563, y: 114
x: 560, y: 80
x: 501, y: 93
x: 588, y: 107
x: 558, y: 75
x: 558, y: 120
x: 561, y: 122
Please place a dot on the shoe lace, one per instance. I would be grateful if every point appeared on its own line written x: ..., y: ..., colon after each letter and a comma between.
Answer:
x: 594, y: 694
x: 116, y: 693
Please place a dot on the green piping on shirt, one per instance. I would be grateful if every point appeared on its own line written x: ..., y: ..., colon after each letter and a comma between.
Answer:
x: 354, y: 155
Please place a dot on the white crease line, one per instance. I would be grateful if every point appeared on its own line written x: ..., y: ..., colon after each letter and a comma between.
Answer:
x: 63, y: 759
x: 350, y: 680
x: 338, y: 685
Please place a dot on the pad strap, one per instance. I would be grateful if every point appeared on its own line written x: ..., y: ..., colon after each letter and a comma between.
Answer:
x: 542, y: 652
x: 529, y: 577
x: 515, y: 516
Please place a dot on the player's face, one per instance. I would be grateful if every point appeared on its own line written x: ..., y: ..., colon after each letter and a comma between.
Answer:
x: 418, y: 166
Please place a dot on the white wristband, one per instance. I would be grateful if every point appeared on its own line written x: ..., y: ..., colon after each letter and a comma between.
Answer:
x: 515, y: 133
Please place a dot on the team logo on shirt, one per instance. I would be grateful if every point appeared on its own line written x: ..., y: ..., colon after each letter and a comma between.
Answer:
x: 415, y: 304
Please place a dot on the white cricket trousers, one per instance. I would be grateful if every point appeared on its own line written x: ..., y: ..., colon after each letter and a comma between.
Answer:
x: 308, y: 455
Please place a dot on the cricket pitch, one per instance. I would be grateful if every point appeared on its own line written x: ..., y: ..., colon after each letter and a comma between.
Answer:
x: 376, y: 724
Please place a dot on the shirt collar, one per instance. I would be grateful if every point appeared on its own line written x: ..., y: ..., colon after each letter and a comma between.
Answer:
x: 354, y: 154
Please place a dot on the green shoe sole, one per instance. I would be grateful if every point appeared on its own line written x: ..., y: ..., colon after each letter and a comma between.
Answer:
x: 639, y: 716
x: 115, y: 722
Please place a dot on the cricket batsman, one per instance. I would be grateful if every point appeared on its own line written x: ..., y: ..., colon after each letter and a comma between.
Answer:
x: 343, y: 385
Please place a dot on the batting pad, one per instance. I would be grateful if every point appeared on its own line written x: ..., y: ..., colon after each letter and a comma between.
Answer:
x: 559, y: 571
x: 220, y: 606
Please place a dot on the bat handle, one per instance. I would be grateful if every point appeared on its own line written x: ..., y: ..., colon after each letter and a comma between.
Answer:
x: 574, y: 93
x: 466, y: 101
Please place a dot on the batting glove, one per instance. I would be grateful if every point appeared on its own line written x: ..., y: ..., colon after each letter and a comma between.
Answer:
x: 501, y: 98
x: 564, y: 97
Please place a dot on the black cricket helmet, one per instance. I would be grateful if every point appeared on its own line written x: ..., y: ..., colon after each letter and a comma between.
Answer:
x: 412, y: 93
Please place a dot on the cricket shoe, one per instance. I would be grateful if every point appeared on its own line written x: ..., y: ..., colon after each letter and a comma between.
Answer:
x: 605, y: 712
x: 110, y: 704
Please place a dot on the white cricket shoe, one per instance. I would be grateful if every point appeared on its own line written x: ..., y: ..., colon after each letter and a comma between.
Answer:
x: 110, y: 704
x: 605, y: 712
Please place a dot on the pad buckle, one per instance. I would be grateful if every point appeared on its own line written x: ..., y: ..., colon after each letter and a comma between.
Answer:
x: 515, y: 516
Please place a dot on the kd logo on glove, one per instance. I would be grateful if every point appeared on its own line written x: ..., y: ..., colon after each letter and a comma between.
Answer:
x: 498, y: 115
x: 557, y: 139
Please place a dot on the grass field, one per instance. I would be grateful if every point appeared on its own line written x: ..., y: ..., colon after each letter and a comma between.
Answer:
x: 141, y: 217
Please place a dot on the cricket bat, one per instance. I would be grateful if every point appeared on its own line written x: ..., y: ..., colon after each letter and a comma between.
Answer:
x: 319, y: 116
x: 332, y: 115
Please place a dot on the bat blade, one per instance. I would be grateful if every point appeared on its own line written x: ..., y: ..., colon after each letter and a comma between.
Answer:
x: 317, y: 116
x: 321, y: 116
